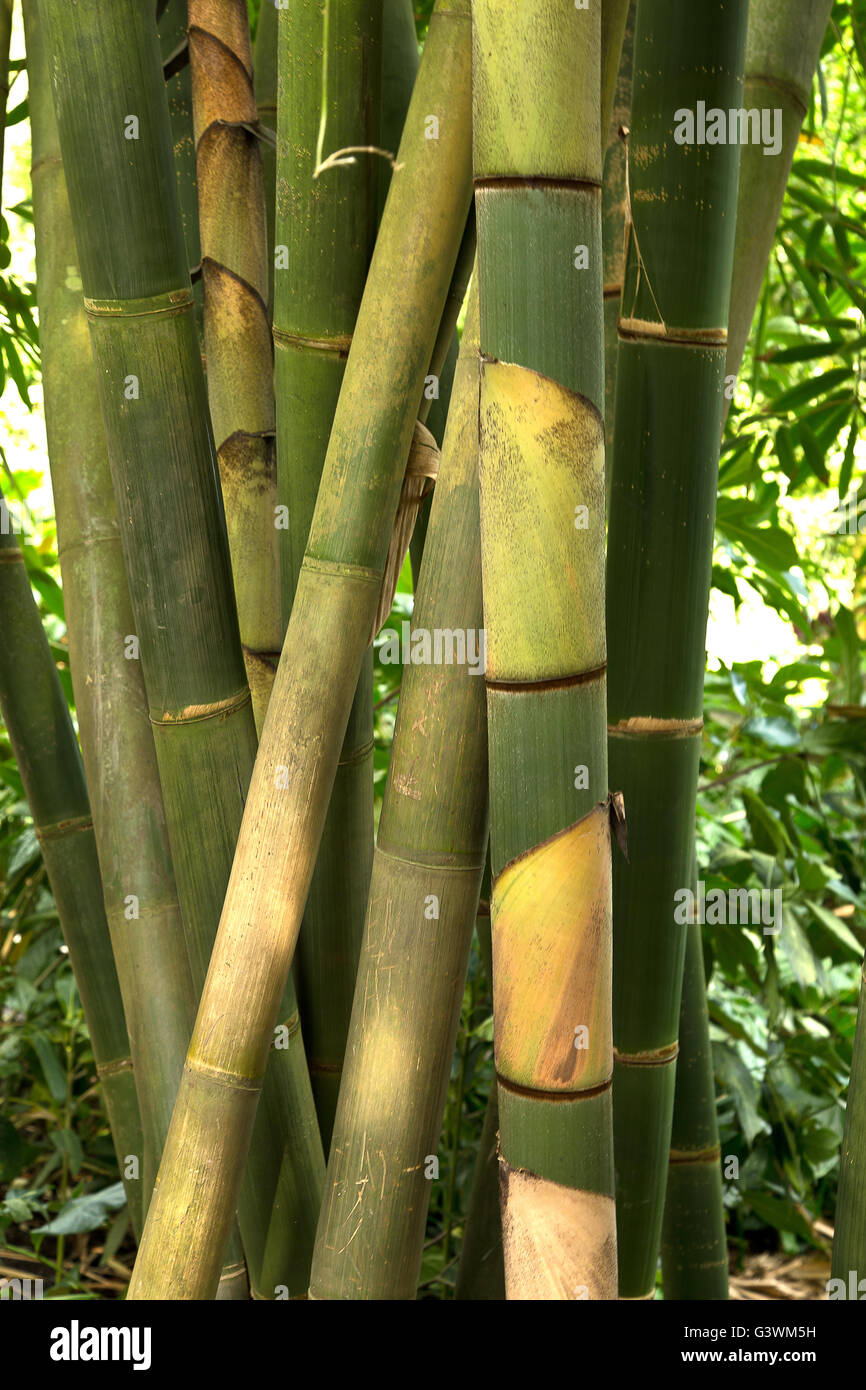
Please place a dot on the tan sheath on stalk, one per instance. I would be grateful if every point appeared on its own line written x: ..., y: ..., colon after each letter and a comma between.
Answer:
x: 237, y: 337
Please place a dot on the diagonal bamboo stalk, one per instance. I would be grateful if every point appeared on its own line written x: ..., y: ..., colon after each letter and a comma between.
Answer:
x: 328, y: 634
x: 326, y: 222
x: 423, y: 899
x: 43, y: 740
x: 164, y: 471
x: 669, y: 397
x: 537, y: 152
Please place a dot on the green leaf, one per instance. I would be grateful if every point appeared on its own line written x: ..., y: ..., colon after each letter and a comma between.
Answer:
x: 54, y: 1074
x: 793, y: 944
x: 87, y: 1213
x: 775, y: 733
x: 769, y: 545
x: 25, y: 854
x: 805, y: 391
x: 837, y: 929
x: 732, y: 1073
x: 778, y: 1212
x: 848, y: 461
x: 68, y: 1145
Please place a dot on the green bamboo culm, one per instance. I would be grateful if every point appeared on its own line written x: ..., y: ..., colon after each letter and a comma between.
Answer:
x: 116, y: 738
x: 669, y: 397
x: 427, y: 869
x: 782, y: 49
x: 481, y: 1270
x: 613, y: 223
x: 239, y: 355
x: 325, y: 230
x: 152, y: 393
x: 399, y: 69
x: 174, y: 49
x: 329, y: 631
x: 537, y: 153
x: 614, y: 18
x: 694, y: 1242
x: 43, y: 741
x: 265, y: 85
x: 237, y: 338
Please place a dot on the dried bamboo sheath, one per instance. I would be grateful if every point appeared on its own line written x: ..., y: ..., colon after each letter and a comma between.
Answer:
x: 538, y: 201
x: 43, y: 740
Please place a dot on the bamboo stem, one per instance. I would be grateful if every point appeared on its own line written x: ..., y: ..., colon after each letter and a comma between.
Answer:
x: 110, y: 99
x: 694, y: 1246
x: 43, y: 740
x: 117, y: 742
x: 423, y: 899
x: 670, y: 372
x: 782, y: 50
x: 326, y: 226
x: 328, y: 634
x: 265, y: 84
x: 537, y: 150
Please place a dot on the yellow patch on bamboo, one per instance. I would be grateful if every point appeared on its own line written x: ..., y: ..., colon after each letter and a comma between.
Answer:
x: 551, y: 911
x: 530, y: 120
x: 558, y: 1242
x: 541, y: 465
